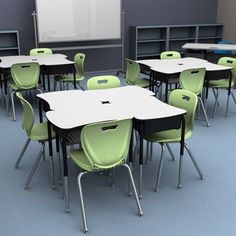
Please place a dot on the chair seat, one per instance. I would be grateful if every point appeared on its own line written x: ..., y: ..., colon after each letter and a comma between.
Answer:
x: 167, y: 136
x: 39, y: 132
x: 69, y: 78
x: 221, y: 83
x: 144, y: 83
x: 79, y: 157
x: 16, y: 88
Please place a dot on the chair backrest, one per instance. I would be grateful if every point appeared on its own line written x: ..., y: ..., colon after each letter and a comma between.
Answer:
x: 28, y: 114
x: 79, y: 63
x: 106, y: 144
x: 132, y: 71
x: 25, y: 75
x: 170, y: 55
x: 188, y: 101
x: 103, y: 82
x: 40, y: 51
x: 231, y: 62
x: 192, y: 80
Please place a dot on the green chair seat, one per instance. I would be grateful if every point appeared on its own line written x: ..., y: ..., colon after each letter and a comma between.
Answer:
x: 16, y: 88
x: 69, y: 78
x: 80, y: 159
x: 221, y: 83
x: 168, y: 136
x: 144, y: 83
x: 39, y: 132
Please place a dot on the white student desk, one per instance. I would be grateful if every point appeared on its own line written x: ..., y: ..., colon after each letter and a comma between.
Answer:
x: 48, y: 63
x: 69, y: 110
x: 165, y: 70
x: 205, y: 47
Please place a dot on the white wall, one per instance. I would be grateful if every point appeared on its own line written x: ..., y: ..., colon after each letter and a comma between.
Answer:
x: 226, y: 15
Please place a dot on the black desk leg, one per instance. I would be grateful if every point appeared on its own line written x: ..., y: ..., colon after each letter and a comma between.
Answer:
x: 181, y: 151
x: 65, y: 170
x: 40, y: 112
x: 1, y: 84
x: 140, y: 165
x: 59, y: 159
x: 51, y: 153
x: 48, y: 77
x: 166, y: 92
x: 6, y: 92
x: 229, y: 92
x: 74, y: 75
x: 43, y: 77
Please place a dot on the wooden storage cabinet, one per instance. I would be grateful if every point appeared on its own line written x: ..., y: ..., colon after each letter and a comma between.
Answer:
x: 148, y: 42
x: 9, y: 43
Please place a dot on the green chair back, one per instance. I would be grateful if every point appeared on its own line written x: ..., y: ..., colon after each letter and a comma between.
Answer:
x: 193, y: 80
x: 188, y: 101
x: 231, y: 62
x: 103, y: 82
x: 79, y: 63
x: 25, y: 75
x: 40, y: 51
x: 170, y: 55
x: 28, y: 114
x: 132, y: 71
x: 106, y: 144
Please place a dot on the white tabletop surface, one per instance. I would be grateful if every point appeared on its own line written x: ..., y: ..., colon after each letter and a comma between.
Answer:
x: 48, y: 60
x: 70, y: 109
x: 172, y: 66
x: 209, y: 46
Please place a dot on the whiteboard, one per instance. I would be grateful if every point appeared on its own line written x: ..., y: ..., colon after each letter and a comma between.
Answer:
x: 78, y: 20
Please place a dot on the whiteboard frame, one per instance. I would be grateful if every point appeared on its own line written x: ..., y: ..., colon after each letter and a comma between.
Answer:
x: 78, y: 40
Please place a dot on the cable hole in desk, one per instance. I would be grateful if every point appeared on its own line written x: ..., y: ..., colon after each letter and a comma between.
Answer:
x: 105, y: 102
x: 34, y: 59
x: 180, y: 64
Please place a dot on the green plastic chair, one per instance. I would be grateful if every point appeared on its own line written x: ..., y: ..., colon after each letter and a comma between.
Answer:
x: 40, y: 51
x: 193, y: 80
x: 79, y: 60
x: 133, y: 73
x: 105, y: 146
x: 25, y: 77
x: 37, y: 132
x: 170, y: 55
x: 224, y: 83
x: 188, y: 101
x: 103, y: 82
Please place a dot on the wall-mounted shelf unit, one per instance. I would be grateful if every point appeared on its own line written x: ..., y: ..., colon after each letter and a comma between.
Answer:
x: 148, y: 42
x: 9, y: 43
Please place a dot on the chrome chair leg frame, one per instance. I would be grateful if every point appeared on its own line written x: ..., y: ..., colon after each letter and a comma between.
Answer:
x: 140, y: 180
x: 22, y: 153
x: 36, y: 163
x: 170, y: 151
x: 129, y: 183
x: 194, y: 161
x: 82, y: 202
x: 13, y: 105
x: 233, y: 96
x: 52, y: 172
x: 140, y: 211
x: 227, y: 106
x: 157, y: 188
x: 204, y: 111
x: 216, y: 101
x: 147, y: 152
